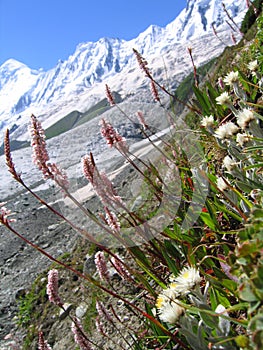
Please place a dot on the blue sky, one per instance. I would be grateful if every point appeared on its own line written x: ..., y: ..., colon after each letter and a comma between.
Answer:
x: 40, y: 32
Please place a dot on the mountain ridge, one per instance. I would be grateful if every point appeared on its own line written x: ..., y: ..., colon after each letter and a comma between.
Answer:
x: 93, y: 63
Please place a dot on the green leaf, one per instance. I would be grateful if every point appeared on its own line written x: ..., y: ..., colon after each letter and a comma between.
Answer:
x: 203, y: 100
x: 247, y: 249
x: 170, y: 262
x: 206, y: 218
x: 209, y: 321
x: 156, y: 330
x: 229, y: 284
x: 152, y: 275
x: 246, y: 293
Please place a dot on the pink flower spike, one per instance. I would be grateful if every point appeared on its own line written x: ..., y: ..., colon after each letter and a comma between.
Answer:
x: 101, y: 266
x: 4, y: 214
x: 42, y: 343
x: 106, y: 191
x: 143, y: 64
x: 52, y: 288
x: 112, y: 137
x: 103, y: 312
x: 59, y: 176
x: 88, y: 166
x: 9, y: 161
x: 40, y: 155
x: 154, y: 92
x: 99, y: 326
x: 112, y: 220
x: 109, y: 96
x: 79, y: 335
x: 122, y: 271
x: 141, y: 119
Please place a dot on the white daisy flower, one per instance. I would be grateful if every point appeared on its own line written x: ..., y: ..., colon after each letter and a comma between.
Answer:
x: 242, y: 138
x: 167, y: 296
x: 207, y: 121
x: 223, y: 99
x: 187, y: 280
x: 226, y: 130
x: 221, y: 184
x: 231, y: 78
x: 253, y: 66
x: 245, y: 117
x: 229, y: 163
x: 170, y: 312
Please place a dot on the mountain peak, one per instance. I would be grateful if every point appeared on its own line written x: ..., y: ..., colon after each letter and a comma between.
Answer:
x: 12, y: 64
x: 200, y: 16
x: 80, y: 79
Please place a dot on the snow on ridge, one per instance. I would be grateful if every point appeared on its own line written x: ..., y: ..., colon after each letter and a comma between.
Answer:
x: 24, y: 91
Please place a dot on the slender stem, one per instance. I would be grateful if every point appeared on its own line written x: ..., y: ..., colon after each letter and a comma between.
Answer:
x: 93, y: 281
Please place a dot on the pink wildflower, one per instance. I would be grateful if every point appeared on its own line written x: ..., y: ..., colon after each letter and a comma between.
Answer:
x: 79, y: 335
x: 122, y: 271
x: 154, y: 92
x: 102, y: 311
x: 142, y: 63
x: 4, y: 214
x: 141, y: 119
x: 112, y: 220
x: 99, y: 326
x: 221, y: 83
x: 106, y: 191
x: 113, y: 138
x: 41, y: 157
x: 42, y: 343
x: 9, y: 162
x: 59, y: 176
x: 52, y: 287
x: 100, y: 182
x: 88, y: 166
x: 38, y: 143
x: 101, y: 266
x: 109, y: 96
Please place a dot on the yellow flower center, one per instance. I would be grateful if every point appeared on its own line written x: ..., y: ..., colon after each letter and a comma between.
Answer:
x: 185, y: 275
x: 159, y: 302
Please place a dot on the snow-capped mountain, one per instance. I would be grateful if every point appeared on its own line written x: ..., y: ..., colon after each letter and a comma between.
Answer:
x: 78, y: 82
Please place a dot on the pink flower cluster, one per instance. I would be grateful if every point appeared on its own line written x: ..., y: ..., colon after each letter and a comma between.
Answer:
x: 100, y: 182
x: 101, y: 266
x: 103, y: 312
x: 109, y: 96
x: 52, y: 288
x: 155, y: 92
x: 112, y: 220
x: 143, y: 64
x: 4, y: 214
x: 122, y: 271
x: 40, y: 155
x: 38, y: 144
x: 79, y: 335
x: 112, y: 137
x: 42, y: 343
x: 59, y: 176
x: 141, y: 119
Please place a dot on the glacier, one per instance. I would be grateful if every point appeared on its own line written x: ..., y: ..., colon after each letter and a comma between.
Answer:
x: 78, y: 82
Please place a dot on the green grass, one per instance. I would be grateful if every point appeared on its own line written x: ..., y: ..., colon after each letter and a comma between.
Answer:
x: 76, y: 118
